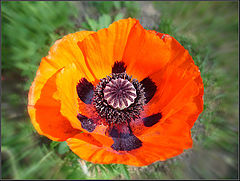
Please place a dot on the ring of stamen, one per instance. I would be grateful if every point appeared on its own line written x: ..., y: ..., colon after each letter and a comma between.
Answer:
x: 119, y: 98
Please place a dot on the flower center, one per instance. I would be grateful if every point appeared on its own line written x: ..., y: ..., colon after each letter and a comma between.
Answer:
x: 119, y: 98
x: 119, y: 93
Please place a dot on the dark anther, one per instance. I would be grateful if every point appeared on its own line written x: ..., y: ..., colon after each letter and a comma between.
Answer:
x: 118, y: 67
x: 85, y: 91
x: 87, y: 124
x: 152, y: 120
x: 124, y: 139
x: 149, y: 88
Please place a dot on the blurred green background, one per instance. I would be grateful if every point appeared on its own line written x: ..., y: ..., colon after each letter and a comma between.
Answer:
x: 209, y: 30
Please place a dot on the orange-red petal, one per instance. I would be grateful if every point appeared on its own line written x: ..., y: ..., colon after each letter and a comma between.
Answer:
x: 64, y: 51
x: 71, y: 105
x: 66, y: 82
x: 147, y: 53
x: 99, y: 151
x: 46, y: 117
x: 176, y: 86
x: 106, y: 46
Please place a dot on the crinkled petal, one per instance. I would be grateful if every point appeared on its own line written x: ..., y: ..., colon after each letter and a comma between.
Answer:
x: 147, y: 52
x: 65, y: 51
x: 46, y: 117
x: 71, y: 105
x: 95, y: 150
x: 176, y: 86
x: 106, y: 46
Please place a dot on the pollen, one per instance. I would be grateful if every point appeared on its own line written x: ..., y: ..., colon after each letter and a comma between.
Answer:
x: 119, y: 93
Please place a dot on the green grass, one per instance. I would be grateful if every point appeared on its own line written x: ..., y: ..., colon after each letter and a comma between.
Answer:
x: 27, y: 28
x: 208, y: 30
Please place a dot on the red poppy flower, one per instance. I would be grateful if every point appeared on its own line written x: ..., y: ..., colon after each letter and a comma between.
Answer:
x: 121, y: 95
